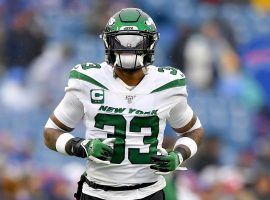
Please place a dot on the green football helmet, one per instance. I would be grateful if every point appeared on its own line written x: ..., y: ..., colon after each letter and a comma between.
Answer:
x: 130, y: 38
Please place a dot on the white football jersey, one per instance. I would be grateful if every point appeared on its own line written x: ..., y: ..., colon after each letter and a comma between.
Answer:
x: 136, y: 117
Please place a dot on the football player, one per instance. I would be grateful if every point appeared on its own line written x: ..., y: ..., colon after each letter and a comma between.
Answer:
x: 125, y: 103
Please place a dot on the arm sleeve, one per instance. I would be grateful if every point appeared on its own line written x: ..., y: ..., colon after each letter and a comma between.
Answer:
x: 180, y: 114
x: 70, y: 110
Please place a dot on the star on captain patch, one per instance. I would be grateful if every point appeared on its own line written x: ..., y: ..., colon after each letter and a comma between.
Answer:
x: 130, y: 98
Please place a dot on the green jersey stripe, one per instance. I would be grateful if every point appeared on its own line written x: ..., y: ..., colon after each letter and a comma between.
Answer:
x: 77, y: 75
x: 172, y: 84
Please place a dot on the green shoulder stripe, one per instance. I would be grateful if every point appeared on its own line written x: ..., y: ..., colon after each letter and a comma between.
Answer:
x: 172, y: 84
x: 77, y: 75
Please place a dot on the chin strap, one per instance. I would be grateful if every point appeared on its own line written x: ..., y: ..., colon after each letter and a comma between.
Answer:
x: 145, y: 70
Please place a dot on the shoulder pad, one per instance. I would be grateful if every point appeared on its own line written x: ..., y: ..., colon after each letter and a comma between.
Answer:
x: 86, y: 66
x: 172, y: 71
x: 168, y: 77
x: 83, y: 72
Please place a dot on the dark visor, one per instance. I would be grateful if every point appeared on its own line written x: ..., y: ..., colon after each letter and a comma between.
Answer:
x: 129, y: 42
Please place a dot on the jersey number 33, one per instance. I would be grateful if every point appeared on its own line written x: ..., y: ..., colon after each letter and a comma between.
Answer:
x: 136, y: 124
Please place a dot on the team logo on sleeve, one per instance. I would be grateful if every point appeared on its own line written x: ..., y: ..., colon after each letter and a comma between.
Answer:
x: 97, y: 96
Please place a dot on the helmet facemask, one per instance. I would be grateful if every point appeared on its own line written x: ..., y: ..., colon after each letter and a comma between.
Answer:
x: 130, y: 37
x: 130, y: 50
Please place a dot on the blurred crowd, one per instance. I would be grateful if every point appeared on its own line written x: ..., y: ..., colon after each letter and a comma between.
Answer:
x: 223, y: 47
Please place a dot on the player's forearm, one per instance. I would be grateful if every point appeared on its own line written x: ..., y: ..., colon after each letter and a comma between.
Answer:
x: 53, y: 129
x: 66, y: 143
x: 57, y: 137
x: 197, y: 136
x: 50, y: 137
x: 191, y: 137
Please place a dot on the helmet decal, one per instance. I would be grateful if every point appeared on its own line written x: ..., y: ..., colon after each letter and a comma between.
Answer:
x: 149, y: 22
x: 111, y: 21
x: 129, y: 28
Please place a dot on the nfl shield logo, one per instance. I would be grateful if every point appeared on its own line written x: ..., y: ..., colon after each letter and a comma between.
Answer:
x: 130, y: 98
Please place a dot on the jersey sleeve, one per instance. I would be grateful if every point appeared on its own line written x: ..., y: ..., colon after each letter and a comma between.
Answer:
x: 181, y: 114
x: 70, y: 110
x: 74, y: 82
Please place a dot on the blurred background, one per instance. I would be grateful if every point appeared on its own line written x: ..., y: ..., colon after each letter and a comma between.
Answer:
x: 223, y: 47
